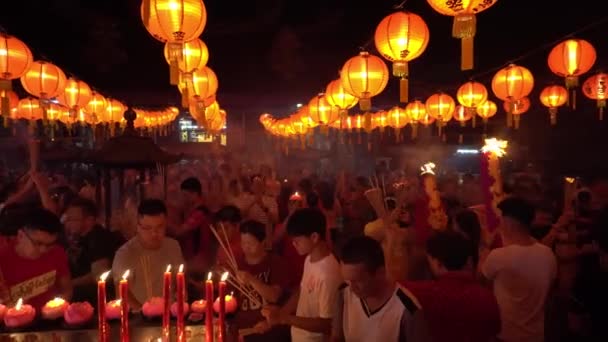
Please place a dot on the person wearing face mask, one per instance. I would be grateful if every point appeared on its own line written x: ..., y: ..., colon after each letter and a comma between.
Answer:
x: 35, y: 267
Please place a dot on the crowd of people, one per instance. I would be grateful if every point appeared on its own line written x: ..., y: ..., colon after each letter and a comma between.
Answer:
x: 321, y: 262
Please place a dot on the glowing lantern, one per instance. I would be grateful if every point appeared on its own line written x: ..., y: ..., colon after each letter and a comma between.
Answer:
x: 465, y: 23
x: 380, y: 120
x: 553, y: 97
x: 511, y: 84
x: 174, y: 22
x: 96, y: 107
x: 517, y: 108
x: 486, y: 110
x: 416, y: 112
x: 15, y: 60
x: 364, y: 76
x: 204, y: 84
x: 338, y: 97
x: 44, y: 80
x: 440, y: 106
x: 76, y: 94
x: 114, y: 113
x: 595, y: 89
x: 397, y: 117
x: 195, y: 55
x: 400, y: 38
x: 462, y: 115
x: 570, y: 59
x: 321, y: 112
x: 55, y: 112
x: 29, y: 109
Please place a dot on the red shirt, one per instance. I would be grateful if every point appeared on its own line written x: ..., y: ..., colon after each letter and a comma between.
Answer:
x: 273, y: 270
x: 290, y: 254
x: 36, y: 281
x: 457, y: 308
x: 198, y: 241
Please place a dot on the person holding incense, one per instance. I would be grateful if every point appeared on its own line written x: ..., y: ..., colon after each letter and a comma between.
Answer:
x: 270, y: 278
x: 310, y: 310
x: 147, y: 254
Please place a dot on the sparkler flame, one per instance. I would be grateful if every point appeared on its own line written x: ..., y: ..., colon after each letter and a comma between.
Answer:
x: 428, y: 168
x: 495, y: 146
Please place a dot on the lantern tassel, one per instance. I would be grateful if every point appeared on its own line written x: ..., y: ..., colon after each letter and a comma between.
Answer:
x: 516, y: 122
x: 365, y: 103
x: 466, y: 53
x: 174, y: 72
x: 185, y: 97
x: 553, y: 116
x: 414, y: 131
x: 404, y: 89
x: 464, y: 27
x: 5, y: 107
x: 474, y: 120
x: 573, y: 97
x: 460, y: 139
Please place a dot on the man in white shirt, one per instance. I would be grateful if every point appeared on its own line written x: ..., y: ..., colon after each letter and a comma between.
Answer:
x: 523, y: 273
x: 147, y: 255
x: 311, y: 309
x: 370, y: 306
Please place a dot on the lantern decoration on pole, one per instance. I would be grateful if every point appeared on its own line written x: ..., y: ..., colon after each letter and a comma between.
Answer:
x: 511, y: 84
x: 462, y: 115
x: 195, y: 56
x: 400, y: 38
x: 114, y: 113
x: 397, y: 119
x: 322, y: 112
x: 491, y: 179
x: 15, y: 60
x: 416, y: 112
x: 30, y: 109
x: 174, y: 22
x: 45, y: 81
x: 12, y: 100
x: 465, y: 23
x: 338, y: 97
x: 96, y: 107
x: 364, y: 76
x: 76, y: 95
x: 485, y: 111
x: 570, y: 59
x: 441, y: 107
x: 517, y: 108
x: 553, y: 96
x: 595, y: 89
x: 470, y: 95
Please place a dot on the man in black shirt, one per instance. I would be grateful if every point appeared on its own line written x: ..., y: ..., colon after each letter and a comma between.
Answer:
x: 91, y: 250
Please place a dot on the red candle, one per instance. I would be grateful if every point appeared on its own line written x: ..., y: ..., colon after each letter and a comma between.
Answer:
x: 181, y: 294
x: 295, y: 197
x: 101, y: 307
x: 123, y: 289
x: 209, y: 308
x: 166, y: 303
x: 222, y: 318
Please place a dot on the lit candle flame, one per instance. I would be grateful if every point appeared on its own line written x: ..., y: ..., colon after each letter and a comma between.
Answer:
x: 495, y: 146
x: 428, y: 168
x: 225, y: 276
x: 126, y: 275
x: 168, y: 269
x: 19, y: 304
x: 104, y: 275
x: 570, y: 180
x: 181, y: 268
x: 209, y: 276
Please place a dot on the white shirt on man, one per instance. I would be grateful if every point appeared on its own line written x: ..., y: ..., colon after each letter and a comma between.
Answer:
x: 522, y: 276
x: 318, y: 295
x: 146, y: 267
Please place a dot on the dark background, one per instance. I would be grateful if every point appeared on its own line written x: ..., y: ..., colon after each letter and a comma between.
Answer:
x: 271, y: 54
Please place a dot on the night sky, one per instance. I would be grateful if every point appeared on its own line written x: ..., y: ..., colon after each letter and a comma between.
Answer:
x: 271, y: 54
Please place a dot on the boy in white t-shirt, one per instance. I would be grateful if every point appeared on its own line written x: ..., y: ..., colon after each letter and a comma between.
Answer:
x: 523, y: 272
x: 310, y: 310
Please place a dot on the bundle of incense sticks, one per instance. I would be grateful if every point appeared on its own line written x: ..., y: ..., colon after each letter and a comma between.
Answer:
x: 224, y: 242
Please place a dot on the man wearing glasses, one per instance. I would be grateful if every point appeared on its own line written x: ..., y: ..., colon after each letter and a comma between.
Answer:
x: 35, y: 267
x: 147, y: 255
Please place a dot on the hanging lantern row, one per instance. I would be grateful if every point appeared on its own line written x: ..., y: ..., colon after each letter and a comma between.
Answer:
x: 55, y: 96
